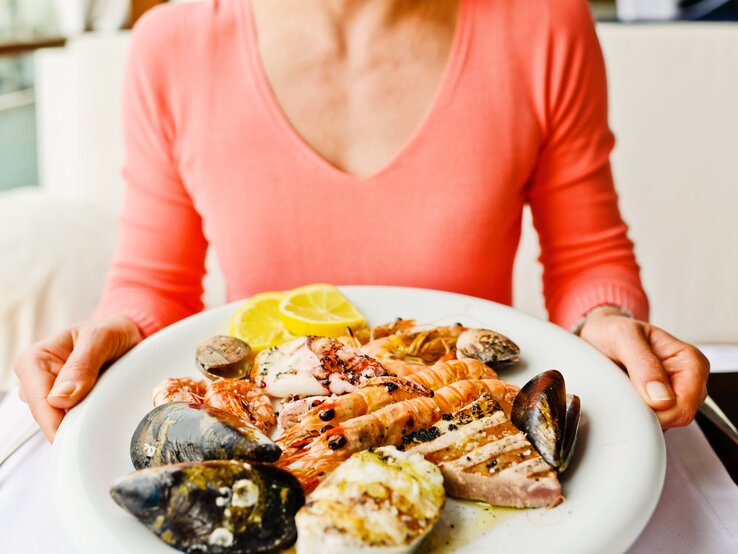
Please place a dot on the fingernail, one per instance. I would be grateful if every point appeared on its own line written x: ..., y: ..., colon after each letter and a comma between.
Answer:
x: 63, y: 389
x: 657, y: 391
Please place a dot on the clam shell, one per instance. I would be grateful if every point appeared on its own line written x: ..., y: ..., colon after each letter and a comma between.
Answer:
x: 181, y: 432
x: 490, y: 347
x: 214, y: 507
x: 222, y: 356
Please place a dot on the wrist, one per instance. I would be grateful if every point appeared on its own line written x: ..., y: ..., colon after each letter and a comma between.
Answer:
x: 134, y: 332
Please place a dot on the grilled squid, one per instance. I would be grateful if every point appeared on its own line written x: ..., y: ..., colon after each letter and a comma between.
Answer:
x: 313, y: 366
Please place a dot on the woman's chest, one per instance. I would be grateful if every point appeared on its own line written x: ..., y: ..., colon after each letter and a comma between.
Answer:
x: 444, y: 214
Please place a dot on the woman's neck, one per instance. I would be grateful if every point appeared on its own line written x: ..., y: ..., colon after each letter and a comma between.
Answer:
x: 357, y: 22
x: 354, y: 78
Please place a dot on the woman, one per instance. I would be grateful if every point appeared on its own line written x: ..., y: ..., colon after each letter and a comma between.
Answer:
x: 355, y: 141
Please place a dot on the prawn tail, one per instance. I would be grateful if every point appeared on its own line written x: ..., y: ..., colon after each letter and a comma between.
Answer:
x: 310, y: 477
x: 294, y: 453
x: 503, y: 392
x: 297, y: 439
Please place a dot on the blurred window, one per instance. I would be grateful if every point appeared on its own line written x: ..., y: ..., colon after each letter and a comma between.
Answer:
x: 24, y: 25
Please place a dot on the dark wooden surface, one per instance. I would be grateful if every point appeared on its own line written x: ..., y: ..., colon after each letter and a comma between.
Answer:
x: 13, y: 47
x: 139, y: 7
x: 723, y: 388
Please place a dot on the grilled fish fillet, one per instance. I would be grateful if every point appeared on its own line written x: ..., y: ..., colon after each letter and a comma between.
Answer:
x: 483, y: 456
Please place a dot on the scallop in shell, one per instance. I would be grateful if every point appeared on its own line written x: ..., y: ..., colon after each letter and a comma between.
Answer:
x: 380, y: 500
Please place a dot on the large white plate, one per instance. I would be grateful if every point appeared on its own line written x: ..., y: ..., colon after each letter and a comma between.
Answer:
x: 611, y: 488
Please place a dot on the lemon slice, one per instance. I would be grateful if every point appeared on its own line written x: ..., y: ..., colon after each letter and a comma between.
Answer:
x: 319, y: 310
x: 257, y: 322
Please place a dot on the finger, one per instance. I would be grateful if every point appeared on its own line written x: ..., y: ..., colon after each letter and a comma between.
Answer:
x: 78, y: 375
x: 36, y: 385
x: 48, y: 355
x: 36, y: 370
x: 688, y: 371
x: 29, y: 363
x: 646, y: 371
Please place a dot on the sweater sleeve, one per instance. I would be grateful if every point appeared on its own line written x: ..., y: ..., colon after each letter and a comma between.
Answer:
x: 587, y: 257
x: 156, y: 274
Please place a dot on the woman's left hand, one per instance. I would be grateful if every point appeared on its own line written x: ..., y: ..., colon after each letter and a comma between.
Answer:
x: 670, y: 375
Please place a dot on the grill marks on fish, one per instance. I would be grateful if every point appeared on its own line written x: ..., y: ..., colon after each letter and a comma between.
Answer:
x: 483, y: 456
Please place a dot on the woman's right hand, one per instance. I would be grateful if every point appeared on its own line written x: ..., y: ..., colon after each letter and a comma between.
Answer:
x: 57, y: 373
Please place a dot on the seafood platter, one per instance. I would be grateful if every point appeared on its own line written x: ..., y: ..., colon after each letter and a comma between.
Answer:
x: 445, y: 424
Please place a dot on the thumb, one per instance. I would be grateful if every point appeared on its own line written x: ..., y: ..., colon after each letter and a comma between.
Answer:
x: 646, y: 371
x: 79, y: 373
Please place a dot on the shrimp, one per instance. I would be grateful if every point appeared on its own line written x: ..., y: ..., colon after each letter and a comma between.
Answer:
x: 313, y: 366
x: 244, y: 400
x: 293, y: 410
x: 443, y: 373
x: 369, y: 397
x: 240, y: 398
x: 403, y: 354
x: 457, y: 395
x: 388, y: 426
x: 179, y: 389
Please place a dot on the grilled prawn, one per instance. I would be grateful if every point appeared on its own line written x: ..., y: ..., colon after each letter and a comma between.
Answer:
x: 388, y: 426
x: 293, y: 410
x: 377, y: 394
x: 369, y: 397
x: 443, y: 373
x: 179, y: 389
x: 242, y: 399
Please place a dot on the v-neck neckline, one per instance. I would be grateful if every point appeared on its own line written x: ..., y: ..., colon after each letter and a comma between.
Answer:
x: 284, y: 126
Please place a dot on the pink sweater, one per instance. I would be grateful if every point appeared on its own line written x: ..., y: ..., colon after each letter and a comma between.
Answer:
x: 520, y: 116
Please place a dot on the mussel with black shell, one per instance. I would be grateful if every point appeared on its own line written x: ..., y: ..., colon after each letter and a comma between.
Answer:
x: 215, y: 507
x: 182, y: 432
x: 550, y: 418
